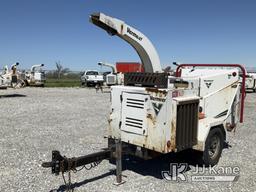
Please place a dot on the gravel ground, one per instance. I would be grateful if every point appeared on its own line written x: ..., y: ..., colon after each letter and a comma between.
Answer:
x: 35, y: 121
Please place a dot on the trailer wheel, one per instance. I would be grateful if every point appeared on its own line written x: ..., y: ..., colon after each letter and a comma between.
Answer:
x: 26, y: 83
x: 213, y: 147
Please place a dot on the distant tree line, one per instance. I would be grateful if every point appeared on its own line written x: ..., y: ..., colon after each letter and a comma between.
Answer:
x: 62, y: 73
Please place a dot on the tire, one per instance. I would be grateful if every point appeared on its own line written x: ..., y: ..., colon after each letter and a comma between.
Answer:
x: 26, y: 83
x: 213, y: 147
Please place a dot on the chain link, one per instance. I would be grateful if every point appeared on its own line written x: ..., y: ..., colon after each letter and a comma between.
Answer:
x: 72, y: 167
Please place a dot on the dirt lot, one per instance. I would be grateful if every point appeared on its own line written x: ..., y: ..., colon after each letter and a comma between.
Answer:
x: 35, y: 121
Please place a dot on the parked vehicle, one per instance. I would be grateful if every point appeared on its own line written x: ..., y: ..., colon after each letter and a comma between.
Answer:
x: 36, y: 76
x: 250, y: 83
x: 113, y: 78
x: 91, y: 78
x: 11, y: 78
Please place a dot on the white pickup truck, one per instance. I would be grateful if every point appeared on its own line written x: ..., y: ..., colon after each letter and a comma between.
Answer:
x: 91, y: 78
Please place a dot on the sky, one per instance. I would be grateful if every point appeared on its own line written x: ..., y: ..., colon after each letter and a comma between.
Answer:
x: 185, y: 31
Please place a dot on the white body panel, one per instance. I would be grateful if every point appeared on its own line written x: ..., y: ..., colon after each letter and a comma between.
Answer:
x: 215, y: 87
x: 147, y: 117
x: 3, y: 82
x: 36, y: 76
x: 250, y: 82
x: 154, y: 129
x: 135, y: 108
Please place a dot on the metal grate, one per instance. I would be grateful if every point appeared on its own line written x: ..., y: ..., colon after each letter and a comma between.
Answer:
x: 132, y: 122
x: 136, y: 103
x: 187, y: 124
x: 158, y: 80
x: 111, y: 79
x: 134, y: 113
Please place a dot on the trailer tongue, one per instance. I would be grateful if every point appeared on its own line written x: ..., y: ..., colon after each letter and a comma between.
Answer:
x: 61, y: 164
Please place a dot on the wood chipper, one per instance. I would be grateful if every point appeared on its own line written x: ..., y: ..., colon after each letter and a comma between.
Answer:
x: 36, y: 76
x: 154, y: 113
x: 11, y: 78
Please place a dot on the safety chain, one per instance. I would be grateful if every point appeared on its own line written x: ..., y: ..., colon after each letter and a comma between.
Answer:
x: 72, y: 167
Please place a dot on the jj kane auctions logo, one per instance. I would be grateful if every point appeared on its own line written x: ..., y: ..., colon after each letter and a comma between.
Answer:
x: 208, y: 174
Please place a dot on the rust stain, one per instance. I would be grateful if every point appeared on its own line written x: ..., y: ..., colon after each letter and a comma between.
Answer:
x: 155, y: 90
x: 169, y: 145
x: 150, y: 117
x: 109, y: 120
x: 173, y: 134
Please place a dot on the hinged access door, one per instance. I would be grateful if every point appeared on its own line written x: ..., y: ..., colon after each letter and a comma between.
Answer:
x: 134, y: 113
